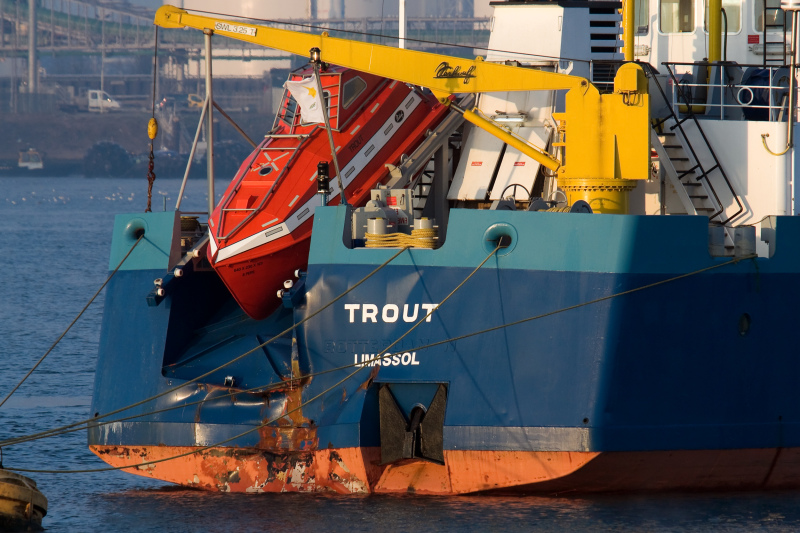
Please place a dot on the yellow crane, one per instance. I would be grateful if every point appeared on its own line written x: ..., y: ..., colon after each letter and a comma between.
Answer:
x: 605, y: 137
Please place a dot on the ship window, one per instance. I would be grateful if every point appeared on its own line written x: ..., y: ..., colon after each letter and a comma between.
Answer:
x: 774, y: 15
x: 677, y: 16
x: 733, y: 11
x: 351, y: 90
x: 642, y: 17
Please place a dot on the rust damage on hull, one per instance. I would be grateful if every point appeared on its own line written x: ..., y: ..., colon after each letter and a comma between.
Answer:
x: 293, y: 432
x: 357, y: 470
x: 245, y: 469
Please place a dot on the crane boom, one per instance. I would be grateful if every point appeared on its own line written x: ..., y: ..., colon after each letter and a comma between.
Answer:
x: 607, y: 135
x: 442, y: 74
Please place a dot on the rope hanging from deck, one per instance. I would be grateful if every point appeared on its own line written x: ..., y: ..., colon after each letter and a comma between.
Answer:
x: 152, y: 130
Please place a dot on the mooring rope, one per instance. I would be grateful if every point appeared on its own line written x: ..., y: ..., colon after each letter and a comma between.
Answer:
x: 419, y: 238
x: 85, y: 307
x: 287, y: 413
x: 544, y: 315
x: 590, y: 302
x: 152, y: 130
x: 58, y: 430
x: 385, y: 354
x: 236, y: 392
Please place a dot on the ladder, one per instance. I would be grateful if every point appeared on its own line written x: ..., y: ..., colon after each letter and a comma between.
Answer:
x: 774, y: 19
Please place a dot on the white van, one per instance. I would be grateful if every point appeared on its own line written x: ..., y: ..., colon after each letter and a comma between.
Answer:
x: 101, y: 101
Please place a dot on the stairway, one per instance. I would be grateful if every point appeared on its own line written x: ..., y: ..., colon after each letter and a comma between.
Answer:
x: 687, y: 176
x: 422, y: 189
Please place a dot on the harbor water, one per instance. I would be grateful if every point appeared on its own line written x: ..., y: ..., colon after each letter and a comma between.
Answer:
x: 54, y: 244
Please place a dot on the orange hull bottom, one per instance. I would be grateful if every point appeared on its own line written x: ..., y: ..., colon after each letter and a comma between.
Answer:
x: 357, y: 470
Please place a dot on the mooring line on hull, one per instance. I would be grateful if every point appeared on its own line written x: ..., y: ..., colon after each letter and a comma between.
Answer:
x: 383, y: 355
x: 74, y: 428
x: 72, y: 323
x: 590, y: 302
x: 291, y: 411
x: 192, y: 452
x: 59, y: 430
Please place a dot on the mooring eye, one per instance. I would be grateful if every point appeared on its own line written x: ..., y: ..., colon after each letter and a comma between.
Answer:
x: 503, y: 235
x: 135, y: 229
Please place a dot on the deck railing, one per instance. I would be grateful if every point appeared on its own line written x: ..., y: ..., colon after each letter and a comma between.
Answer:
x: 731, y: 91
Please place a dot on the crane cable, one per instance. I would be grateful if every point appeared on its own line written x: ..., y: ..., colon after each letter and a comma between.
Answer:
x: 382, y: 36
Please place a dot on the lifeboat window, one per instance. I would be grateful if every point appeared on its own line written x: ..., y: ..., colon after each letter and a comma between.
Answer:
x: 733, y: 11
x: 351, y: 90
x: 775, y: 16
x: 289, y: 109
x: 676, y: 16
x: 642, y: 17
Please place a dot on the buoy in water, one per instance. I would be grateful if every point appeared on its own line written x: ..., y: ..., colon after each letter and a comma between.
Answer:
x: 22, y: 505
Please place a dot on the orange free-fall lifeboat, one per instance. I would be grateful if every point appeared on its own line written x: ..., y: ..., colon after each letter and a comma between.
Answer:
x: 261, y: 229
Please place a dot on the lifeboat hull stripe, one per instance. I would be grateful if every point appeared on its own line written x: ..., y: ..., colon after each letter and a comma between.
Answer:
x: 349, y: 173
x: 274, y: 220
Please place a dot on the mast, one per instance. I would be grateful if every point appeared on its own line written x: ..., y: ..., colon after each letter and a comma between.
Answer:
x: 209, y: 125
x: 628, y: 28
x: 715, y: 31
x: 402, y: 24
x: 32, y: 89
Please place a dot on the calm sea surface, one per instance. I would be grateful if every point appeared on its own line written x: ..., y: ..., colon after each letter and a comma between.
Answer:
x: 54, y: 243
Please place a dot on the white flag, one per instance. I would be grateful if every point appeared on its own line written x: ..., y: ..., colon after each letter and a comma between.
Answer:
x: 308, y: 98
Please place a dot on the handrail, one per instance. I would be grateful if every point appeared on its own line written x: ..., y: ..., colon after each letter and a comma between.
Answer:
x: 775, y: 103
x: 722, y: 105
x: 711, y: 63
x: 650, y: 72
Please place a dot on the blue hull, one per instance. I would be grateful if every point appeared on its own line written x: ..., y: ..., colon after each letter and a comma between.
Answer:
x: 589, y: 334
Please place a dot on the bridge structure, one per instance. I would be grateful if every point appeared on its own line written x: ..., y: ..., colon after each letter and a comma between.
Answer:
x: 83, y: 43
